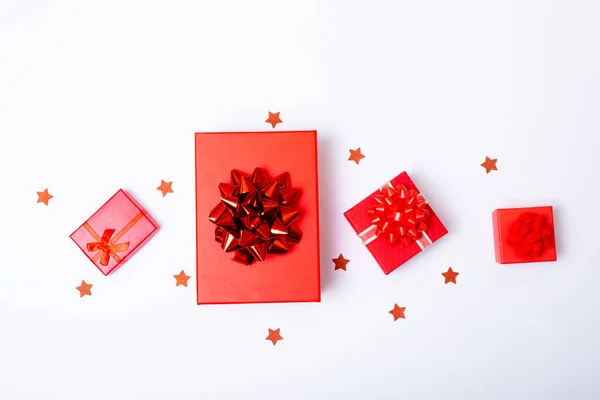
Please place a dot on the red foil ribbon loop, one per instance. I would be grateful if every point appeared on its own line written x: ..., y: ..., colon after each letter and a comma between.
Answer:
x: 256, y: 216
x: 106, y: 248
x: 529, y: 236
x: 399, y: 215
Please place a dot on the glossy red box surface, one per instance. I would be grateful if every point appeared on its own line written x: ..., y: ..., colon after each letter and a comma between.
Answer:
x: 290, y: 277
x: 114, y: 233
x: 388, y: 256
x: 508, y: 221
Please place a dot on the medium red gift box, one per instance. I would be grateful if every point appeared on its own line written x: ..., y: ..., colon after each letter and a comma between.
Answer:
x: 257, y: 217
x: 395, y: 223
x: 524, y: 235
x: 115, y: 232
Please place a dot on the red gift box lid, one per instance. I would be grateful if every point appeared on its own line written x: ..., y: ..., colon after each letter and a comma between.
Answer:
x: 388, y: 256
x: 504, y: 219
x: 290, y: 277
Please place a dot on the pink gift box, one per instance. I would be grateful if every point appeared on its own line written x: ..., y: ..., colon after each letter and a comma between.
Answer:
x: 115, y: 232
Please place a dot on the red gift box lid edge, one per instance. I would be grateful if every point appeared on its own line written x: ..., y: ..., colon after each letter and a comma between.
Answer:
x: 523, y: 208
x: 251, y: 132
x: 206, y: 303
x: 497, y: 237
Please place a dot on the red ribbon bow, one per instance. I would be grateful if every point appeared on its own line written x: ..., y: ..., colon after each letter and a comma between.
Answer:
x: 256, y: 216
x: 529, y: 236
x: 399, y: 214
x: 106, y: 248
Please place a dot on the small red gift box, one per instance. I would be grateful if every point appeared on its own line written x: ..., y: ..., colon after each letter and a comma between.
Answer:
x: 524, y: 235
x: 115, y: 232
x: 395, y: 223
x: 257, y: 217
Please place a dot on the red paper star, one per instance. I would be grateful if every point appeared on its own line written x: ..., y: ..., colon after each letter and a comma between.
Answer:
x: 181, y: 278
x: 450, y: 276
x: 274, y: 336
x: 165, y: 187
x: 355, y: 155
x: 397, y: 312
x: 340, y: 262
x: 489, y: 164
x: 273, y: 119
x: 84, y: 288
x: 44, y: 197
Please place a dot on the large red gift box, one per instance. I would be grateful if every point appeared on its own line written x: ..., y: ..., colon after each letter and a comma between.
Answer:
x: 257, y: 217
x: 115, y: 232
x: 395, y: 223
x: 524, y: 235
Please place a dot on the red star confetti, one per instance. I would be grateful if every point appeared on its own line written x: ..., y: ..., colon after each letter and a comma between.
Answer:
x: 274, y: 336
x: 44, y: 197
x: 84, y: 289
x: 165, y: 187
x: 489, y: 164
x: 274, y: 119
x: 397, y: 312
x: 450, y: 276
x: 181, y: 278
x: 355, y: 155
x: 340, y: 262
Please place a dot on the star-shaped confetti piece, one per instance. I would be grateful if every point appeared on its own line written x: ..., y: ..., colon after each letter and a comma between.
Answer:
x: 355, y: 155
x: 489, y: 164
x: 450, y: 276
x: 397, y: 312
x: 44, y: 197
x: 274, y: 336
x: 165, y: 187
x: 340, y: 262
x: 182, y: 279
x: 84, y: 289
x: 274, y: 119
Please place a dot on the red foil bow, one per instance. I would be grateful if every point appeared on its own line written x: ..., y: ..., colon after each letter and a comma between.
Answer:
x: 256, y: 216
x: 106, y: 248
x: 399, y: 215
x: 528, y: 236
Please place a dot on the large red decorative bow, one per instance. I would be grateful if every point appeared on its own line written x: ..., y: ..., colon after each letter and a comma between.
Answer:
x: 529, y: 236
x: 399, y: 214
x: 256, y: 216
x: 106, y: 248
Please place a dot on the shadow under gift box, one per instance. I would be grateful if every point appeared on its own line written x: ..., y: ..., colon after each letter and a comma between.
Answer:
x: 290, y: 277
x: 391, y: 256
x: 115, y: 232
x: 523, y: 235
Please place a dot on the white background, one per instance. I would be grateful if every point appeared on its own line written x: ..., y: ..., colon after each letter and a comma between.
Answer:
x: 95, y: 96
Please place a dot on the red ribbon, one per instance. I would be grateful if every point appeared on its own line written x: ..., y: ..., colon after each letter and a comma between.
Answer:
x: 107, y: 246
x: 256, y: 216
x: 529, y: 236
x: 399, y: 214
x: 107, y: 249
